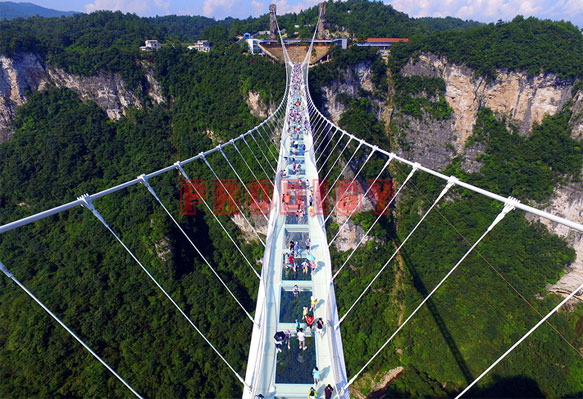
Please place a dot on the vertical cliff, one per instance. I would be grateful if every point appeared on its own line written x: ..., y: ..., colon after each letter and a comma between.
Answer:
x: 26, y: 73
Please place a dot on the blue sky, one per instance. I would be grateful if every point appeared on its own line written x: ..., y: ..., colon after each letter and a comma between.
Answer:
x: 480, y: 10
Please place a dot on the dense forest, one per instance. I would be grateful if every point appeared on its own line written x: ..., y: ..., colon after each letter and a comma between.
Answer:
x: 498, y: 293
x: 64, y: 147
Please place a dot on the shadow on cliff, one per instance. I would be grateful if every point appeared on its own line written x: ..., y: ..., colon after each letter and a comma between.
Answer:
x: 518, y: 387
x: 420, y: 287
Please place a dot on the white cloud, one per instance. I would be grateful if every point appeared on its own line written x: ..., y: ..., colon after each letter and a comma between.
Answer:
x: 284, y: 7
x: 140, y: 7
x: 493, y: 10
x: 259, y: 7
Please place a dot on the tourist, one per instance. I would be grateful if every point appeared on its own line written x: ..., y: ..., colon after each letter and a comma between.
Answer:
x: 316, y: 374
x: 304, y: 312
x: 308, y: 243
x: 310, y: 321
x: 302, y: 339
x: 297, y: 326
x: 296, y: 291
x: 305, y: 266
x: 278, y: 338
x: 312, y: 394
x: 287, y: 339
x: 328, y: 391
x: 313, y: 303
x: 320, y: 327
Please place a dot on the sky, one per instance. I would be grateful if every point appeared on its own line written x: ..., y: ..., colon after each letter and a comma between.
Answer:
x: 479, y: 10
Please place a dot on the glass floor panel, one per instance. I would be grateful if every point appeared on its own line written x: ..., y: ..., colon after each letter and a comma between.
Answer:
x: 294, y: 366
x: 291, y: 308
x: 296, y: 236
x: 289, y: 274
x: 295, y: 219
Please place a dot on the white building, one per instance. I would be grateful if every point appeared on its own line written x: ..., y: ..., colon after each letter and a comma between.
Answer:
x: 151, y: 45
x: 254, y: 47
x: 201, y: 45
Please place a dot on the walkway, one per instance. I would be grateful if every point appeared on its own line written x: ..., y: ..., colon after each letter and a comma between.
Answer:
x: 289, y: 373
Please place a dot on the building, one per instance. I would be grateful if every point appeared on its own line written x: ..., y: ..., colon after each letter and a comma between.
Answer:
x: 201, y: 45
x: 254, y: 47
x: 382, y: 43
x: 151, y: 45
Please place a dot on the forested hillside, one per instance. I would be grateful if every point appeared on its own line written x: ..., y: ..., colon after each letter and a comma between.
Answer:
x: 64, y: 147
x: 499, y: 292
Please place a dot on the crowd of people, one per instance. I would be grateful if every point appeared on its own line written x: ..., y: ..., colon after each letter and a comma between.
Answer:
x: 308, y: 324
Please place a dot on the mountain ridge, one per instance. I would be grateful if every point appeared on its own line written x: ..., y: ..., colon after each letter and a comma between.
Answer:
x: 12, y: 10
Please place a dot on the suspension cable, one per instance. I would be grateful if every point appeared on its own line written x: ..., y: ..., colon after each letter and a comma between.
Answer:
x: 411, y: 173
x: 449, y: 184
x: 333, y: 147
x: 88, y: 203
x: 251, y: 170
x: 336, y: 161
x: 364, y: 196
x: 8, y: 274
x: 257, y: 160
x: 265, y: 142
x: 341, y: 172
x: 145, y: 182
x: 244, y: 185
x: 260, y: 150
x: 352, y: 182
x: 509, y: 206
x: 179, y: 166
x: 537, y: 325
x: 231, y: 197
x: 319, y: 149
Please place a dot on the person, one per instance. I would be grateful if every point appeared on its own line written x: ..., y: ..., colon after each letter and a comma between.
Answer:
x: 300, y: 218
x: 297, y: 326
x: 305, y: 266
x: 291, y: 258
x: 310, y: 321
x: 302, y: 339
x: 259, y: 396
x: 312, y: 394
x: 313, y: 266
x: 316, y: 374
x: 287, y: 339
x: 291, y: 246
x: 328, y: 391
x: 296, y: 291
x: 320, y: 327
x: 278, y: 338
x: 305, y: 312
x: 297, y: 248
x: 308, y: 242
x: 313, y: 303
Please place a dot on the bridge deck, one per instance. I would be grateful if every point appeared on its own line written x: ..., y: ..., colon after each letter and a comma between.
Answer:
x: 288, y: 373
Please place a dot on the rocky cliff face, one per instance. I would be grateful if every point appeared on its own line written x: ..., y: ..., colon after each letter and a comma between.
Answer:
x: 18, y: 75
x: 523, y: 99
x: 520, y: 99
x: 256, y: 105
x: 567, y: 202
x: 353, y: 80
x: 25, y: 73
